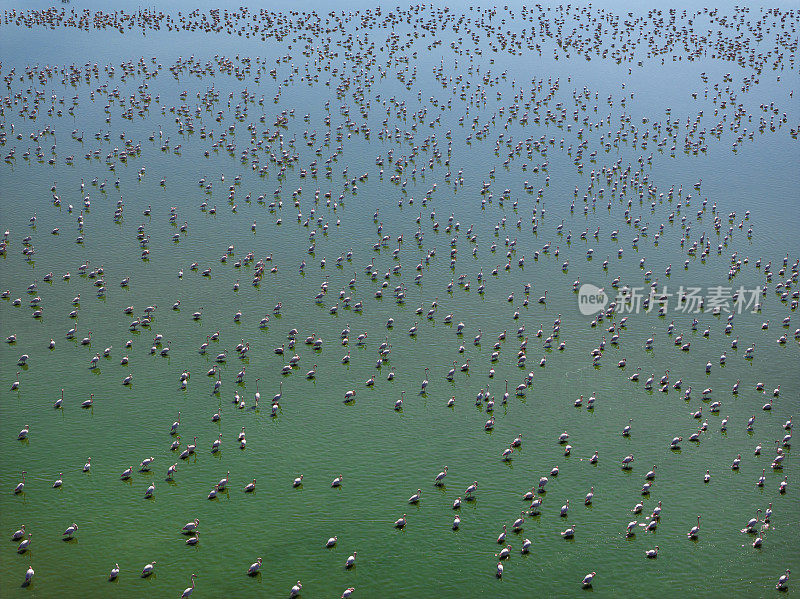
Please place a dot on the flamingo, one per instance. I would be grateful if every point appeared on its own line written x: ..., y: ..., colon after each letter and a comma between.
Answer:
x: 631, y: 528
x: 254, y: 567
x: 190, y: 527
x: 295, y: 592
x: 67, y: 534
x: 502, y: 536
x: 18, y: 534
x: 175, y: 425
x: 695, y: 531
x: 626, y: 432
x: 782, y: 585
x: 753, y: 522
x: 188, y: 591
x: 439, y: 481
x: 21, y: 486
x: 517, y: 526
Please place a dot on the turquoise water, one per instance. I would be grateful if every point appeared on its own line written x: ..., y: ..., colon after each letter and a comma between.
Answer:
x: 386, y: 455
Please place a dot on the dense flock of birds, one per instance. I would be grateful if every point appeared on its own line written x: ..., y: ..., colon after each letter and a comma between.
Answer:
x: 352, y: 57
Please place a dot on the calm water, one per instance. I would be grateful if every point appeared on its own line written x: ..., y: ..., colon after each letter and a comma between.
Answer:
x: 384, y: 455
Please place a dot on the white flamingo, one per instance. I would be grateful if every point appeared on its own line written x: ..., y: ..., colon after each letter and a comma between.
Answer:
x: 254, y: 567
x: 188, y: 591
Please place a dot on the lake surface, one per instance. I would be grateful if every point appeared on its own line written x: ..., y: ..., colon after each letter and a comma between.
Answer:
x: 431, y: 115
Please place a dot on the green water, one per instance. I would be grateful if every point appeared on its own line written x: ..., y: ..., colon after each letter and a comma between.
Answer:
x: 386, y: 455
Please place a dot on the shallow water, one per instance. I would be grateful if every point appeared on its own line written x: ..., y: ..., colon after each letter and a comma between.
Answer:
x: 385, y: 455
